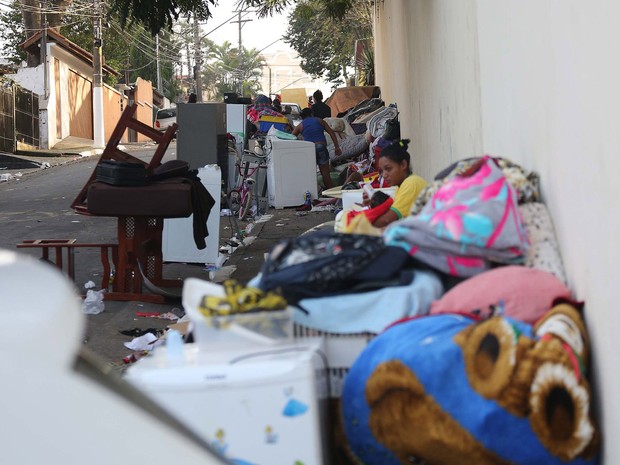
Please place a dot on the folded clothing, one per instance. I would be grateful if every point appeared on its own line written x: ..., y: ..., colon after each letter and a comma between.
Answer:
x: 374, y: 310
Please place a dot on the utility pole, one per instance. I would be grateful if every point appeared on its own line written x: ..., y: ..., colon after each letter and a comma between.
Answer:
x: 242, y: 72
x: 158, y: 66
x: 46, y: 80
x: 198, y: 61
x: 98, y: 130
x: 188, y: 55
x: 43, y: 103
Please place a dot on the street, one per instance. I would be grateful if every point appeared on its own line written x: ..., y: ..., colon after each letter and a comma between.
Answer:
x: 37, y: 206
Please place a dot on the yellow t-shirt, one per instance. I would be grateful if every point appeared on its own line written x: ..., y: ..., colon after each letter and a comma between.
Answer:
x: 406, y: 194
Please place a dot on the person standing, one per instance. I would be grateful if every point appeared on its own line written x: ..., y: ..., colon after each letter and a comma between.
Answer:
x: 319, y: 108
x: 313, y: 129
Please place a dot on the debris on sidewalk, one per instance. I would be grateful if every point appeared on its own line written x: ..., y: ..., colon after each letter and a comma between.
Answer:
x: 147, y: 341
x: 324, y: 208
x: 221, y: 274
x: 133, y: 358
x: 162, y: 316
x: 93, y: 302
x: 264, y: 219
x: 137, y: 332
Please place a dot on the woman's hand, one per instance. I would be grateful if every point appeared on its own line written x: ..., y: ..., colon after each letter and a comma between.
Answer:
x: 338, y: 151
x: 365, y: 199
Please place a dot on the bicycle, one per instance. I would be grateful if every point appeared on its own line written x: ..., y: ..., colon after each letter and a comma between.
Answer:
x: 240, y: 197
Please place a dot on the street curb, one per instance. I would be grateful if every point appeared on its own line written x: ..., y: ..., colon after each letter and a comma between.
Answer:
x: 64, y: 153
x: 60, y: 153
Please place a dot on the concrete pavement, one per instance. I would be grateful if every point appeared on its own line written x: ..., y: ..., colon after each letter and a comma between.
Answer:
x: 102, y: 333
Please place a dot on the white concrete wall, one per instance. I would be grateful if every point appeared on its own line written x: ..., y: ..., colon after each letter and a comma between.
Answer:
x: 30, y: 78
x: 551, y: 98
x: 536, y: 81
x: 421, y: 44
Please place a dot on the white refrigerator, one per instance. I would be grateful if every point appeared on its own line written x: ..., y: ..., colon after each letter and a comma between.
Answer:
x: 291, y: 171
x: 178, y: 236
x: 257, y: 404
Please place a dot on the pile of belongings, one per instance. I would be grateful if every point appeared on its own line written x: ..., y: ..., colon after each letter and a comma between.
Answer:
x: 362, y: 133
x: 261, y: 108
x: 481, y: 353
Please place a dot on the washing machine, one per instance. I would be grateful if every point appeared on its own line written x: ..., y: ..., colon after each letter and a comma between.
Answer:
x: 291, y: 171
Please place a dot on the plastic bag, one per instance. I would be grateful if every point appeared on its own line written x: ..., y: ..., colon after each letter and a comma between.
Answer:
x: 93, y: 303
x: 274, y: 132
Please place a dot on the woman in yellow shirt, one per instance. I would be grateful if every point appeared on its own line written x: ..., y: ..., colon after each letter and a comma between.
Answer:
x: 395, y: 167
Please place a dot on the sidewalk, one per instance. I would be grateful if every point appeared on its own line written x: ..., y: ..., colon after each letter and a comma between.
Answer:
x: 103, y: 335
x: 71, y: 149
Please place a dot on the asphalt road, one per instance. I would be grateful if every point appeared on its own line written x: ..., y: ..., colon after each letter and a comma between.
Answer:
x: 35, y: 204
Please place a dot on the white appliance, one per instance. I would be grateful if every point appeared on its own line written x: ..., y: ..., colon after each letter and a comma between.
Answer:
x: 291, y: 171
x: 178, y: 236
x: 43, y: 347
x: 260, y: 404
x: 236, y: 120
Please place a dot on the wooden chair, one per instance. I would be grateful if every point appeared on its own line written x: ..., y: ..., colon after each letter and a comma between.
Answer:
x: 139, y: 247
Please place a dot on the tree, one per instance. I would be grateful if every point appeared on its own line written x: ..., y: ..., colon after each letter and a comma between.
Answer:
x: 226, y: 69
x: 12, y: 34
x: 131, y: 50
x: 38, y: 14
x: 331, y: 8
x: 326, y: 45
x: 155, y: 15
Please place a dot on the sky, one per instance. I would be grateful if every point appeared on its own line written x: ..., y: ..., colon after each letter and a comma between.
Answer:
x: 259, y: 33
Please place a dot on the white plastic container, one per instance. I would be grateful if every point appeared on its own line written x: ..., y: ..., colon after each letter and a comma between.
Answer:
x: 266, y: 327
x: 262, y: 405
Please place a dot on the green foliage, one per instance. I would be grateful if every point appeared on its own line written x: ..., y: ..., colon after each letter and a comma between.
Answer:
x: 156, y: 15
x: 366, y: 67
x: 12, y: 34
x: 130, y: 51
x: 226, y: 68
x: 325, y: 41
x: 334, y: 9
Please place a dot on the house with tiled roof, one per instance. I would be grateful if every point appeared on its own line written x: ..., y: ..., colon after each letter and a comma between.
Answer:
x: 64, y: 83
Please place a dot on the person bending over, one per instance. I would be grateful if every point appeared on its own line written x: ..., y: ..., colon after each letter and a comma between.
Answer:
x: 312, y: 129
x: 395, y: 167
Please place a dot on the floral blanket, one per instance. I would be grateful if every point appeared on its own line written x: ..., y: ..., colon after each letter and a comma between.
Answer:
x: 470, y: 221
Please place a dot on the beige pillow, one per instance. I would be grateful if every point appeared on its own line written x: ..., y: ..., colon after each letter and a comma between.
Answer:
x: 337, y: 124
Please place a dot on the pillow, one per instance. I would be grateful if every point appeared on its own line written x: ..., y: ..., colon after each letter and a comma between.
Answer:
x: 528, y: 293
x: 544, y: 252
x: 337, y: 124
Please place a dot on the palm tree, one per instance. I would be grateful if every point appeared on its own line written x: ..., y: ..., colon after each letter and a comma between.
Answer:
x: 227, y: 70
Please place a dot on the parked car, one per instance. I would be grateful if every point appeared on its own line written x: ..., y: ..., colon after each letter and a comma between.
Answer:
x: 295, y: 114
x: 165, y: 118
